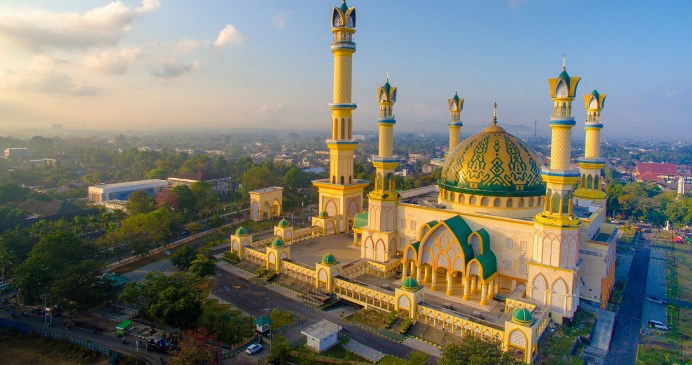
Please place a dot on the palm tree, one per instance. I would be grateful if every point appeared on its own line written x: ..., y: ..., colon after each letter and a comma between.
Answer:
x: 7, y: 258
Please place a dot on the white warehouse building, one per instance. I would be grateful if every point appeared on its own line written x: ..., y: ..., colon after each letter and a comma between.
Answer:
x: 121, y: 191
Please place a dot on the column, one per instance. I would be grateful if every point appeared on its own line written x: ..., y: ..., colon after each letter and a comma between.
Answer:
x: 473, y: 285
x: 419, y: 274
x: 413, y: 266
x: 491, y: 289
x: 426, y: 278
x: 449, y: 284
x: 484, y: 294
x: 433, y: 287
x: 467, y: 284
x: 404, y: 270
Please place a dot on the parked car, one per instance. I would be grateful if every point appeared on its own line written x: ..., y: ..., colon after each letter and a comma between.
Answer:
x: 658, y: 325
x: 254, y: 348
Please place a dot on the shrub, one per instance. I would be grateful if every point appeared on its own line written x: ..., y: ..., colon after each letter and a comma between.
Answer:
x: 405, y: 325
x: 391, y: 319
x: 231, y: 256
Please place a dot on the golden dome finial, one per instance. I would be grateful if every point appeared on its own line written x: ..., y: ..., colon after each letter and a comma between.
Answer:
x: 494, y: 113
x: 386, y: 70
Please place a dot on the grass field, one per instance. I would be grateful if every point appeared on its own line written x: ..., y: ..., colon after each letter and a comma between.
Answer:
x: 25, y: 349
x: 558, y: 344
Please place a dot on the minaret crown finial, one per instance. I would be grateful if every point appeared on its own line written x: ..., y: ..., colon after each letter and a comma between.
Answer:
x: 564, y: 61
x: 494, y: 113
x: 387, y: 72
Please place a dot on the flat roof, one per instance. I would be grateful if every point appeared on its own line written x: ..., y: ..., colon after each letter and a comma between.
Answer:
x: 266, y: 190
x: 321, y: 329
x: 132, y: 184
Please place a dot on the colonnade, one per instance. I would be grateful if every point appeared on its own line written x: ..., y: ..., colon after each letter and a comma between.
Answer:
x: 472, y: 284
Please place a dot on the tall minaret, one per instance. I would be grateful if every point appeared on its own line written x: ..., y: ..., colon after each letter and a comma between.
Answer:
x: 553, y: 270
x: 384, y: 198
x: 590, y: 166
x: 456, y: 105
x: 341, y: 195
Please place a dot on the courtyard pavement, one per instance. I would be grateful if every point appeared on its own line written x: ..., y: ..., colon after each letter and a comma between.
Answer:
x: 311, y: 251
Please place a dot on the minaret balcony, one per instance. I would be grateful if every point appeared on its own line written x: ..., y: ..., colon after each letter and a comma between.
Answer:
x: 343, y: 45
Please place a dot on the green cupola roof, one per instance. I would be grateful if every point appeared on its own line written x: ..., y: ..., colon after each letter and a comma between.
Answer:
x: 324, y: 214
x: 241, y: 232
x: 278, y: 242
x: 410, y: 284
x: 522, y: 316
x: 328, y: 259
x: 283, y: 223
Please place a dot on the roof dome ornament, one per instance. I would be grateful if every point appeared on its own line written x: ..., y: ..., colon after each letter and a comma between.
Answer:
x: 494, y: 113
x: 410, y: 284
x: 328, y: 259
x: 241, y: 231
x: 277, y: 243
x: 522, y: 316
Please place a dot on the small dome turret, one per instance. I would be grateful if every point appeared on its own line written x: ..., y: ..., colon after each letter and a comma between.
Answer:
x: 278, y: 242
x: 324, y: 214
x: 241, y: 232
x: 410, y: 284
x: 522, y: 316
x: 283, y: 223
x: 328, y: 259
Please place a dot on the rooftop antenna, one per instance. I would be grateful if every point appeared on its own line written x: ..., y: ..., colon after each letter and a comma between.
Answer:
x: 564, y: 61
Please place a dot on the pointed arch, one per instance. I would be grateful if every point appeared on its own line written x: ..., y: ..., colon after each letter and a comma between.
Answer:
x: 538, y: 286
x: 557, y: 296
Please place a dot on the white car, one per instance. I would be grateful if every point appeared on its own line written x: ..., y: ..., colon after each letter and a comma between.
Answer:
x: 254, y: 348
x: 658, y: 325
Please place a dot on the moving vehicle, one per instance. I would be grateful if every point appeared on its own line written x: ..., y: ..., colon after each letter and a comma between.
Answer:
x: 254, y: 348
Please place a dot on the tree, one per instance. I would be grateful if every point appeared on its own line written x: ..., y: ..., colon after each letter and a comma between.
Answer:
x: 195, y: 348
x: 258, y: 177
x: 280, y: 351
x: 202, y: 266
x: 60, y: 264
x: 140, y: 202
x: 157, y: 173
x: 475, y: 350
x: 172, y: 300
x: 184, y: 197
x: 205, y: 196
x: 183, y: 257
x: 297, y: 179
x: 7, y: 259
x: 418, y: 358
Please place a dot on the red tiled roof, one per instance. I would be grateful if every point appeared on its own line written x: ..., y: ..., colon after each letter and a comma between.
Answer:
x: 646, y: 168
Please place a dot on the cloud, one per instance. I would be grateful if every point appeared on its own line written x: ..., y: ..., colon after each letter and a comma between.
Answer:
x: 174, y: 69
x: 280, y: 20
x: 229, y: 35
x: 112, y: 62
x: 45, y: 75
x: 266, y: 108
x: 37, y: 28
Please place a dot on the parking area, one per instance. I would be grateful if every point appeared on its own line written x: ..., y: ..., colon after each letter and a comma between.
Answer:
x: 655, y: 289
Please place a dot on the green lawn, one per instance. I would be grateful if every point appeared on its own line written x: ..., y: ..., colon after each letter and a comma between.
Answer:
x: 370, y: 317
x: 557, y: 347
x: 280, y: 318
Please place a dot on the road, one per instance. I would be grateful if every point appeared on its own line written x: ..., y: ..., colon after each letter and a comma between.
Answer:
x: 107, y: 340
x: 623, y: 346
x: 258, y: 300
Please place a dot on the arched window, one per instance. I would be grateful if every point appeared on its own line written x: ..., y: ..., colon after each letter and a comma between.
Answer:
x: 461, y: 198
x: 509, y: 203
x: 484, y: 202
x: 496, y: 202
x: 472, y: 200
x: 589, y: 182
x: 342, y: 179
x: 531, y: 202
x: 521, y: 202
x: 596, y: 183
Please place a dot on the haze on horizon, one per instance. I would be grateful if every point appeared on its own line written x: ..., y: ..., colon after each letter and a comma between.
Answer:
x: 151, y: 64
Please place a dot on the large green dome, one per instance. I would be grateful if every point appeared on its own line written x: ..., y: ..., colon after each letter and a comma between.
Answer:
x: 493, y: 163
x: 409, y: 284
x: 522, y: 316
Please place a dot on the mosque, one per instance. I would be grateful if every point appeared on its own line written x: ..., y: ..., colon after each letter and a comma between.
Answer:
x: 510, y: 243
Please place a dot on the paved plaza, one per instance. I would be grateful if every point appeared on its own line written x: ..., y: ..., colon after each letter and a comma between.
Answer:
x: 311, y: 251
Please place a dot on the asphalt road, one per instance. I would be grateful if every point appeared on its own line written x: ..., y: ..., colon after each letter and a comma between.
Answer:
x: 623, y: 346
x: 108, y: 340
x: 258, y: 300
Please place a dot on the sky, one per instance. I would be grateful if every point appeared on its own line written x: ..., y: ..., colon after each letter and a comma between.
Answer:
x: 178, y: 64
